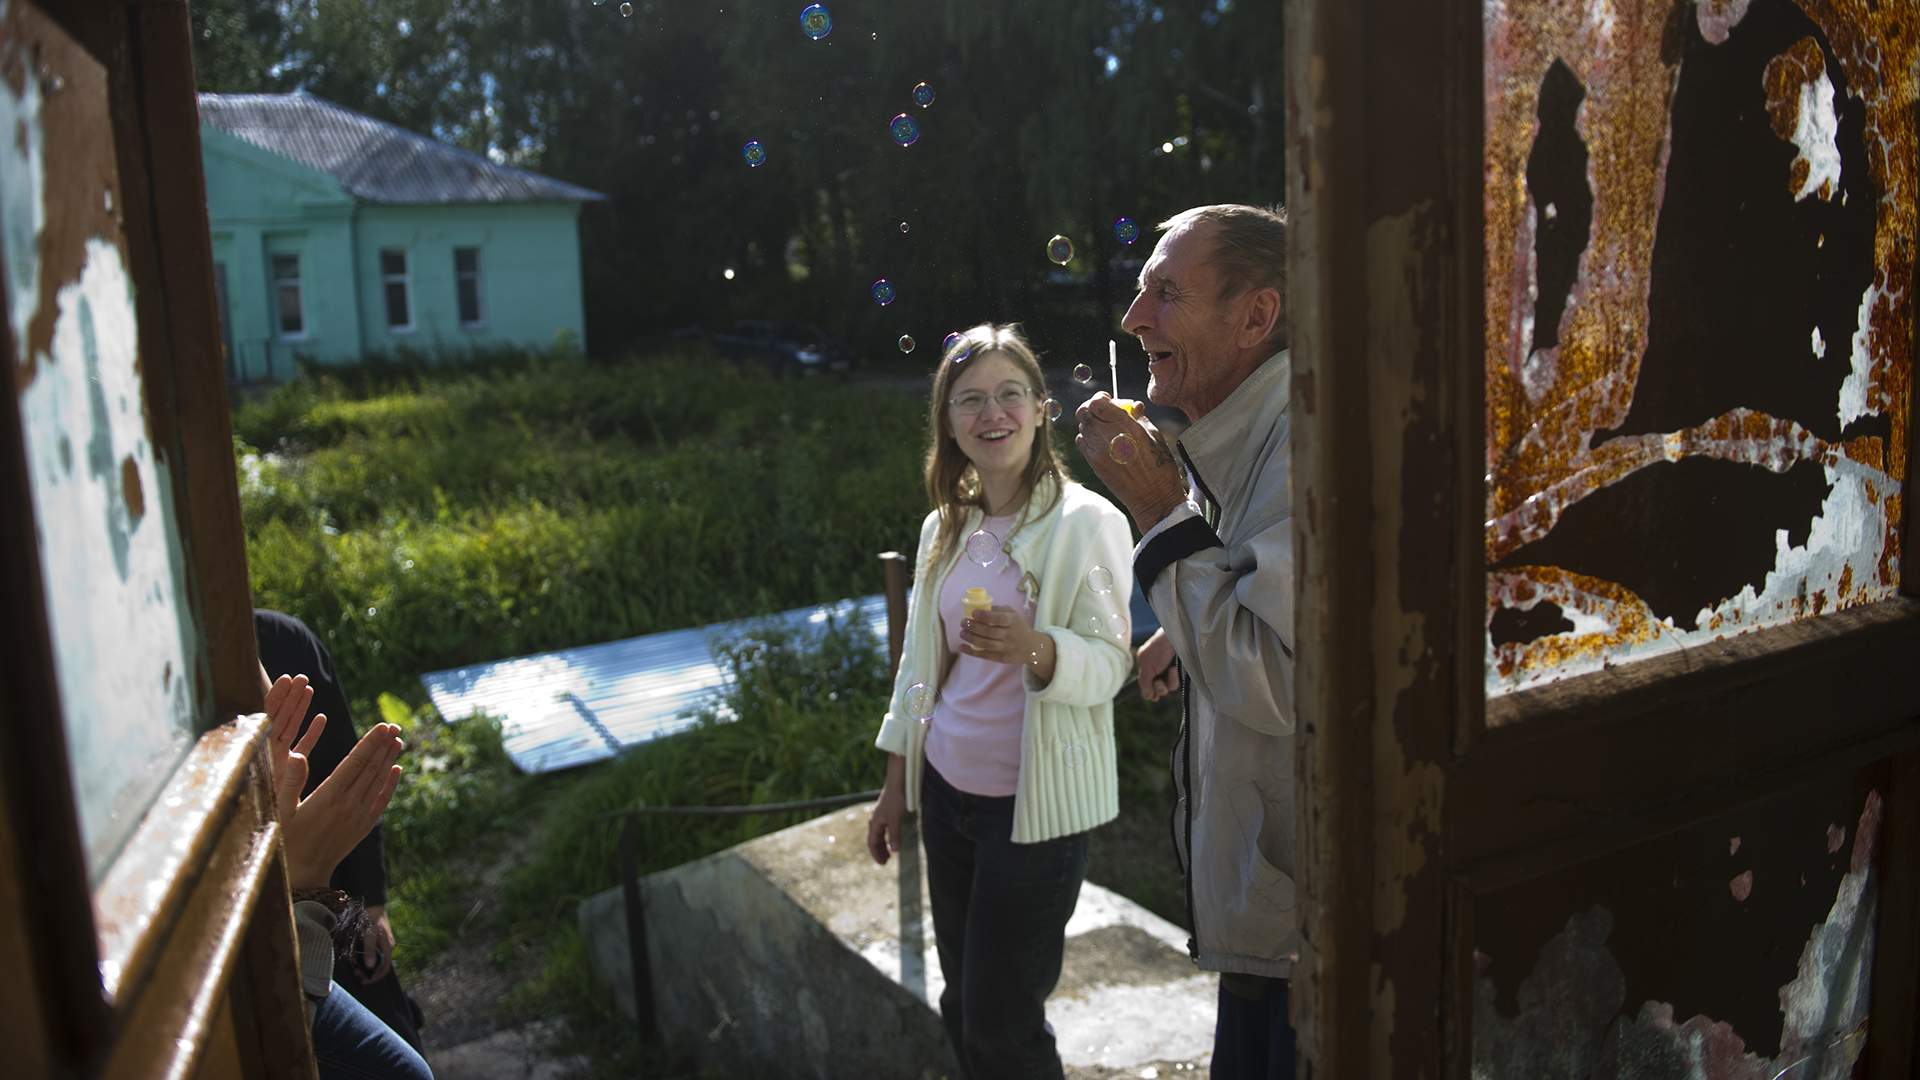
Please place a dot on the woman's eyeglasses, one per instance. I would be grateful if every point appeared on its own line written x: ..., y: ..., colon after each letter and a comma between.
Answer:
x: 1009, y: 398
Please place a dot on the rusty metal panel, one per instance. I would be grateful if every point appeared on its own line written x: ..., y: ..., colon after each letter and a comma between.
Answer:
x: 1741, y: 949
x: 103, y: 502
x: 1700, y: 227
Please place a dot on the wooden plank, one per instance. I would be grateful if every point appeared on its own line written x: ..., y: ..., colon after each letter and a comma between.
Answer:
x: 1326, y: 74
x: 1385, y: 343
x: 166, y: 1031
x: 56, y: 911
x: 1660, y: 750
x: 1893, y: 1043
x: 178, y: 276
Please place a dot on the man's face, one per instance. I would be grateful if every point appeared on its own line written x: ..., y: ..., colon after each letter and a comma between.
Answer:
x: 1186, y: 329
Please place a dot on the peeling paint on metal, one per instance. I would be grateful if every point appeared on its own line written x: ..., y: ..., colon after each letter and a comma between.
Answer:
x: 1836, y: 837
x: 1544, y: 407
x: 23, y: 188
x: 114, y: 576
x: 1576, y: 991
x: 1733, y: 846
x: 1800, y: 107
x: 1741, y: 886
x: 1717, y: 18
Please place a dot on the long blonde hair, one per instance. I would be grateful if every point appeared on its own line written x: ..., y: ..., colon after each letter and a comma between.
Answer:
x: 953, y: 487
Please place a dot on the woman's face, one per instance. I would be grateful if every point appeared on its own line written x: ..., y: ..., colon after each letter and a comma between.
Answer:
x: 999, y: 438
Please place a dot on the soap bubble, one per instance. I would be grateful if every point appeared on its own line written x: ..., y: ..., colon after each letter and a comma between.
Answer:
x: 626, y: 11
x: 1060, y: 250
x: 919, y: 702
x: 956, y: 341
x: 983, y: 548
x: 1096, y: 626
x: 906, y: 343
x: 1083, y: 374
x: 903, y: 228
x: 1100, y: 580
x: 922, y: 95
x: 1121, y: 448
x: 883, y: 293
x: 816, y: 21
x: 905, y: 129
x: 1053, y: 409
x: 1126, y: 230
x: 753, y: 154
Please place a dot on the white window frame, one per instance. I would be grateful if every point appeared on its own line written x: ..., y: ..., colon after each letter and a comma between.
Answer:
x: 404, y: 279
x: 276, y: 283
x: 479, y: 291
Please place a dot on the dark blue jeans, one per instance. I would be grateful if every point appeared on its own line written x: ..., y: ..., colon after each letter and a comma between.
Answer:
x: 351, y: 1043
x: 1000, y: 913
x: 1252, y: 1036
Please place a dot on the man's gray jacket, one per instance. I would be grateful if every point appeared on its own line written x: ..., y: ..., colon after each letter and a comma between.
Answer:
x: 1219, y: 574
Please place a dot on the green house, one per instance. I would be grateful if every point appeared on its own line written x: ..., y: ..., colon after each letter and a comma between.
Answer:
x: 336, y: 235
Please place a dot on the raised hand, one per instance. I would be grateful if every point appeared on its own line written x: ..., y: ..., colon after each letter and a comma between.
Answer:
x: 344, y: 808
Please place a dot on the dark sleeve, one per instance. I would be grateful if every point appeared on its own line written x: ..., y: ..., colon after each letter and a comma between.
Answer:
x: 287, y: 647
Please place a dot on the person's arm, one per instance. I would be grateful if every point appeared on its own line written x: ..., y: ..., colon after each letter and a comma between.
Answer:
x: 1092, y: 653
x: 896, y: 732
x: 883, y: 824
x: 1229, y: 615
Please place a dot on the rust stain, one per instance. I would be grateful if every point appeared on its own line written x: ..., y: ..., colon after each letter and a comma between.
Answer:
x: 1544, y: 407
x: 130, y: 490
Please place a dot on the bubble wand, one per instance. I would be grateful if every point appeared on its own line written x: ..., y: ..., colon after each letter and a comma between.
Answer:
x: 1113, y: 366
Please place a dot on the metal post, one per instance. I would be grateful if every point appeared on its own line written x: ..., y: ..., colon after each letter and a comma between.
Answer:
x: 895, y: 565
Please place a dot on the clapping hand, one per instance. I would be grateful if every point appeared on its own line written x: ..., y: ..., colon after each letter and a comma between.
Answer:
x: 340, y: 812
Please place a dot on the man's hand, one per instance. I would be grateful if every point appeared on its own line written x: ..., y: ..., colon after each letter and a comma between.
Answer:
x: 1147, y: 482
x: 343, y: 809
x: 376, y: 945
x: 1159, y: 667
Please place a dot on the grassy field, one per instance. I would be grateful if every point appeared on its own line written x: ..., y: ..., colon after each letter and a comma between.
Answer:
x: 423, y: 518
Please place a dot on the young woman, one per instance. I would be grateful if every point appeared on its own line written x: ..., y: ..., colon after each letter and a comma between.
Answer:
x: 1000, y: 732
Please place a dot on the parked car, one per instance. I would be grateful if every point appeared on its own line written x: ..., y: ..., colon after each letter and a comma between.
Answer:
x: 784, y: 347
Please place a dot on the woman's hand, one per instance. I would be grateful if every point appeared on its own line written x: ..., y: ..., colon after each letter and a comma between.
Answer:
x: 343, y: 809
x: 883, y: 825
x: 1000, y: 635
x: 286, y: 704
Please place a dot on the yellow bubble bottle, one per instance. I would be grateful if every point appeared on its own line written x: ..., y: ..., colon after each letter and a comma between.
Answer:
x: 975, y: 601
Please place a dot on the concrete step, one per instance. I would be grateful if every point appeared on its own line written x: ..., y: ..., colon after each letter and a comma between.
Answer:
x: 790, y: 952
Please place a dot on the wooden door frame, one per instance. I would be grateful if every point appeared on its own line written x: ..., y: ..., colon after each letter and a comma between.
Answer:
x: 196, y: 938
x: 1408, y: 798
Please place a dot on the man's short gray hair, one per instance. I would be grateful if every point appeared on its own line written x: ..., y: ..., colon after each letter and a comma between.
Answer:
x: 1249, y: 245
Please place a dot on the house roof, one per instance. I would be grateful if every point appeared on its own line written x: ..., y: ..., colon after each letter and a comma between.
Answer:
x: 374, y: 160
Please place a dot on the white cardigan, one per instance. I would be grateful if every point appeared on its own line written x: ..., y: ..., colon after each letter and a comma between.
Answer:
x: 1069, y: 781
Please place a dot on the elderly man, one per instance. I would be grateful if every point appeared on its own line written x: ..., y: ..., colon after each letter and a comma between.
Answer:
x: 1216, y: 562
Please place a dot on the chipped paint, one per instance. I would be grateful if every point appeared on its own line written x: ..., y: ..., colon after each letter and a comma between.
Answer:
x: 115, y: 581
x: 23, y: 187
x: 1545, y: 407
x: 1800, y: 107
x: 1572, y: 1022
x: 1741, y: 886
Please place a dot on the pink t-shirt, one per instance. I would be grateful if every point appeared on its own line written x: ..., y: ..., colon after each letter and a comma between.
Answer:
x: 974, y: 735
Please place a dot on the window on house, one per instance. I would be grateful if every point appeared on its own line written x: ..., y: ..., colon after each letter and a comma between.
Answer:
x: 393, y: 282
x: 286, y: 296
x: 466, y: 275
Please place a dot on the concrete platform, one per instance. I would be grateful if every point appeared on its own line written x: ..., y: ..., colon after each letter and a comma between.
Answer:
x: 789, y: 953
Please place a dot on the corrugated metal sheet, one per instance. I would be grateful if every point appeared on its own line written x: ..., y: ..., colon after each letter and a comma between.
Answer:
x: 375, y: 160
x: 578, y: 706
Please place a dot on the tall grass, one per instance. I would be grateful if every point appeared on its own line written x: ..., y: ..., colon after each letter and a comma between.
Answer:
x: 459, y: 517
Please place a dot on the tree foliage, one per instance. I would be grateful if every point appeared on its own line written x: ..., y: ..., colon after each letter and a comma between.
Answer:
x: 1049, y: 118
